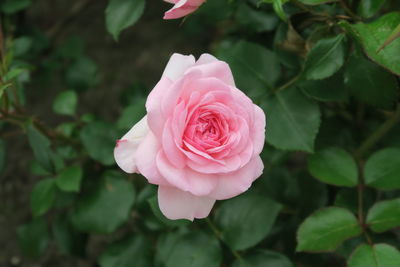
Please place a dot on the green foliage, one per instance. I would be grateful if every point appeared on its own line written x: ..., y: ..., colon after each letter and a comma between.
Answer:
x: 372, y: 36
x: 40, y: 145
x: 370, y: 83
x: 326, y: 229
x: 68, y: 239
x: 264, y: 258
x: 334, y: 166
x: 69, y: 180
x: 105, y: 207
x: 329, y: 89
x: 382, y: 169
x: 13, y: 6
x: 121, y: 14
x: 384, y: 215
x: 42, y: 196
x: 369, y: 8
x: 33, y: 237
x: 246, y: 220
x: 65, y: 103
x: 375, y: 256
x: 194, y: 249
x: 133, y: 251
x: 293, y: 120
x: 99, y: 139
x: 325, y: 58
x: 255, y: 68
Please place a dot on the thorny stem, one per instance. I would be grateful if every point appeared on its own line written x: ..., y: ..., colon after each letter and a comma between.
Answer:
x: 218, y: 235
x: 360, y: 193
x: 378, y: 134
x: 346, y: 8
x: 288, y: 84
x: 365, y: 146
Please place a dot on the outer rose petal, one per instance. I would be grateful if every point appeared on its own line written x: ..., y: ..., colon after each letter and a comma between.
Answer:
x: 177, y: 65
x: 258, y: 130
x: 176, y: 204
x: 125, y: 150
x: 146, y: 160
x: 232, y: 184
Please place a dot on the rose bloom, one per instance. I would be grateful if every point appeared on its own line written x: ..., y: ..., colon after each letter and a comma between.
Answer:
x: 200, y: 140
x: 182, y: 8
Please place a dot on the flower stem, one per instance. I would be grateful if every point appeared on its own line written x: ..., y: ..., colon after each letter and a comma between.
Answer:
x: 379, y: 133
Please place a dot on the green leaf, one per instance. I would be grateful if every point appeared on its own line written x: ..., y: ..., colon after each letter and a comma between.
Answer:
x: 40, y: 145
x: 371, y: 37
x: 69, y: 180
x: 263, y: 258
x: 278, y: 8
x: 3, y: 88
x: 65, y: 103
x: 2, y: 155
x: 42, y: 196
x: 379, y: 255
x: 316, y: 2
x: 121, y: 14
x: 255, y: 19
x: 132, y: 114
x: 325, y: 58
x: 98, y: 139
x: 33, y: 238
x: 13, y: 6
x: 246, y: 220
x: 334, y: 166
x: 82, y: 73
x: 395, y: 34
x: 195, y: 249
x: 106, y: 206
x: 384, y: 215
x: 368, y: 8
x: 69, y: 241
x: 369, y: 83
x: 132, y: 251
x: 293, y: 120
x: 255, y: 68
x: 329, y: 89
x: 326, y: 229
x: 382, y: 169
x: 12, y: 74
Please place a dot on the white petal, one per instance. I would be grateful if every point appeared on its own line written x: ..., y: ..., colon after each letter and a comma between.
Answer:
x: 176, y: 204
x: 125, y: 149
x: 177, y: 65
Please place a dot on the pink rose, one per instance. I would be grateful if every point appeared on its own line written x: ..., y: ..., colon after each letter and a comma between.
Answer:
x: 200, y: 140
x: 182, y: 8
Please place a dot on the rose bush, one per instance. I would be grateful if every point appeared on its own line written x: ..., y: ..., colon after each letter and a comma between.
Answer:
x: 182, y: 8
x: 200, y: 140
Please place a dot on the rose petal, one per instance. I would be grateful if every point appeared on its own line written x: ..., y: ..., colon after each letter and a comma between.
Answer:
x: 155, y: 116
x: 232, y: 184
x: 258, y: 130
x: 176, y: 204
x: 178, y: 63
x: 146, y: 160
x: 124, y: 151
x: 186, y: 179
